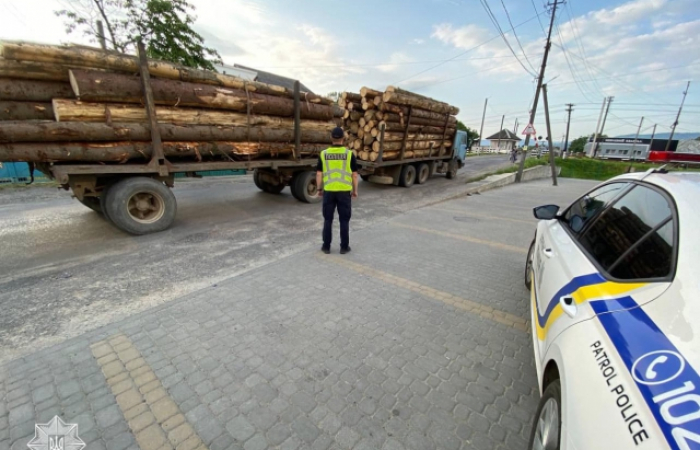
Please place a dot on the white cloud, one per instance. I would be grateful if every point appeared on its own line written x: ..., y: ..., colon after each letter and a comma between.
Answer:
x: 418, y: 41
x: 464, y: 37
x: 394, y: 62
x: 628, y: 13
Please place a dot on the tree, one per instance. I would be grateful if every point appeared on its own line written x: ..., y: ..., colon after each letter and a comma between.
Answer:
x: 472, y: 135
x: 165, y: 26
x: 578, y: 143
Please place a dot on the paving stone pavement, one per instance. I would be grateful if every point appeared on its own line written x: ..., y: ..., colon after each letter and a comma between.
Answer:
x: 310, y: 353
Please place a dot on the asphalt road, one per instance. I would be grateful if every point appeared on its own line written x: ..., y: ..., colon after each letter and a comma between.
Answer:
x: 64, y: 270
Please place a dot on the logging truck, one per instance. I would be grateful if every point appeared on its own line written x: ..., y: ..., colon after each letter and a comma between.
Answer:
x: 98, y: 124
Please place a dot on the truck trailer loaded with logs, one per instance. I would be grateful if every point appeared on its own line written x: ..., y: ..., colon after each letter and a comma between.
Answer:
x: 115, y: 129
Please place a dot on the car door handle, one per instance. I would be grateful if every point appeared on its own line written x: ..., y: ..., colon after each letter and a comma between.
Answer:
x: 548, y: 252
x: 568, y: 305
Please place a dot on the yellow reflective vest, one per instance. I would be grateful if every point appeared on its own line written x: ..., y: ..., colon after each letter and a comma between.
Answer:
x: 337, y: 171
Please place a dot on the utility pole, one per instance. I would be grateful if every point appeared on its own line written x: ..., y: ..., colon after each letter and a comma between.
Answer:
x: 634, y: 144
x: 552, y: 165
x: 515, y: 127
x: 653, y: 133
x: 673, y: 127
x: 602, y: 127
x: 503, y: 118
x: 481, y: 130
x: 101, y: 35
x: 568, y: 122
x: 597, y: 127
x: 540, y: 80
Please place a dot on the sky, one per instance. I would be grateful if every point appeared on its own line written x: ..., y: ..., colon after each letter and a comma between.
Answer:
x: 642, y: 52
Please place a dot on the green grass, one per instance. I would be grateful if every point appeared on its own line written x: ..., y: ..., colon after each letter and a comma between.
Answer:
x: 601, y: 170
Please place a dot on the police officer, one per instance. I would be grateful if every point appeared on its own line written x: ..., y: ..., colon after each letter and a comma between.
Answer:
x: 336, y: 176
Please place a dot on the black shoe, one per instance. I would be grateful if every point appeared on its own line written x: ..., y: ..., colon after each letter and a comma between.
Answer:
x: 345, y: 250
x: 326, y: 250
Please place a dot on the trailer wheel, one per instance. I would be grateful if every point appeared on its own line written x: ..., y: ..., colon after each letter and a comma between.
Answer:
x: 304, y: 187
x: 451, y: 170
x: 140, y: 205
x: 408, y: 176
x: 264, y: 185
x: 423, y: 173
x: 93, y: 203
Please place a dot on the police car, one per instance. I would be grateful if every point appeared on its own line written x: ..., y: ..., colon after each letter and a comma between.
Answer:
x: 615, y: 312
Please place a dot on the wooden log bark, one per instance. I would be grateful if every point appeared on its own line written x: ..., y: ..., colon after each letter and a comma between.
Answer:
x: 367, y: 105
x: 95, y: 86
x: 355, y: 115
x: 87, y: 57
x: 416, y: 113
x: 26, y: 131
x: 75, y: 111
x: 413, y: 129
x: 121, y: 152
x: 25, y: 111
x: 405, y: 92
x: 33, y: 90
x: 434, y: 106
x: 369, y: 93
x: 392, y: 137
x: 28, y: 70
x: 410, y: 145
x: 351, y: 96
x: 395, y: 118
x: 354, y: 106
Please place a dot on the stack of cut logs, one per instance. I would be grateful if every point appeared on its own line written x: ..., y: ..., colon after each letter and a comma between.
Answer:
x: 414, y: 125
x: 70, y: 103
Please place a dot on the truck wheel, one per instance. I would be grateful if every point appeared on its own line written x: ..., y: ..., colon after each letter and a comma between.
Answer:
x: 365, y: 177
x: 423, y: 173
x: 256, y: 179
x: 408, y: 176
x: 140, y: 205
x: 304, y: 188
x: 451, y: 170
x: 93, y: 203
x: 272, y: 188
x: 264, y: 185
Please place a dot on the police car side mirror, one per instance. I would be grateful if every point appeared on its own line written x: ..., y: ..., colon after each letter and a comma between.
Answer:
x: 546, y: 212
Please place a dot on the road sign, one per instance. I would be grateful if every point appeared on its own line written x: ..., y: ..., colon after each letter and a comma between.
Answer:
x: 529, y: 130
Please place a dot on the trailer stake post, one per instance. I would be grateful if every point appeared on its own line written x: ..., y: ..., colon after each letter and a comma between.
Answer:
x: 158, y: 162
x: 297, y: 121
x: 382, y: 127
x: 405, y: 134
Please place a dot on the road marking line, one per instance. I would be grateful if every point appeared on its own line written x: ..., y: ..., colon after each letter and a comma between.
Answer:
x: 153, y: 417
x: 484, y: 216
x: 480, y: 309
x: 510, y: 248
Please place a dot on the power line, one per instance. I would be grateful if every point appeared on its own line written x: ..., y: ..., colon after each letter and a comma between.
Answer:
x: 538, y: 17
x: 579, y: 42
x: 516, y: 36
x: 487, y: 8
x: 404, y: 63
x: 463, y: 53
x: 571, y: 69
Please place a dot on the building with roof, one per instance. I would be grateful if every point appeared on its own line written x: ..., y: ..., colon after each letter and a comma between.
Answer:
x: 503, y: 140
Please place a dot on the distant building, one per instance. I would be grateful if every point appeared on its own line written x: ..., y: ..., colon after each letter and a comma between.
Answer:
x: 626, y: 148
x: 503, y: 140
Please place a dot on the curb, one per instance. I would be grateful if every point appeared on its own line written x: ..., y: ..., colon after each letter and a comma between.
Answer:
x: 500, y: 180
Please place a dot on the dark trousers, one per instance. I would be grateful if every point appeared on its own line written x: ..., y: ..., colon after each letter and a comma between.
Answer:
x: 331, y: 201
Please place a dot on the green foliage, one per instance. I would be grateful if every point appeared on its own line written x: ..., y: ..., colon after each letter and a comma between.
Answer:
x: 578, y: 143
x: 597, y: 169
x: 472, y: 135
x: 165, y: 26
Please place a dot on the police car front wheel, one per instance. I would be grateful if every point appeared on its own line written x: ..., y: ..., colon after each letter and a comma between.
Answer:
x: 546, y: 430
